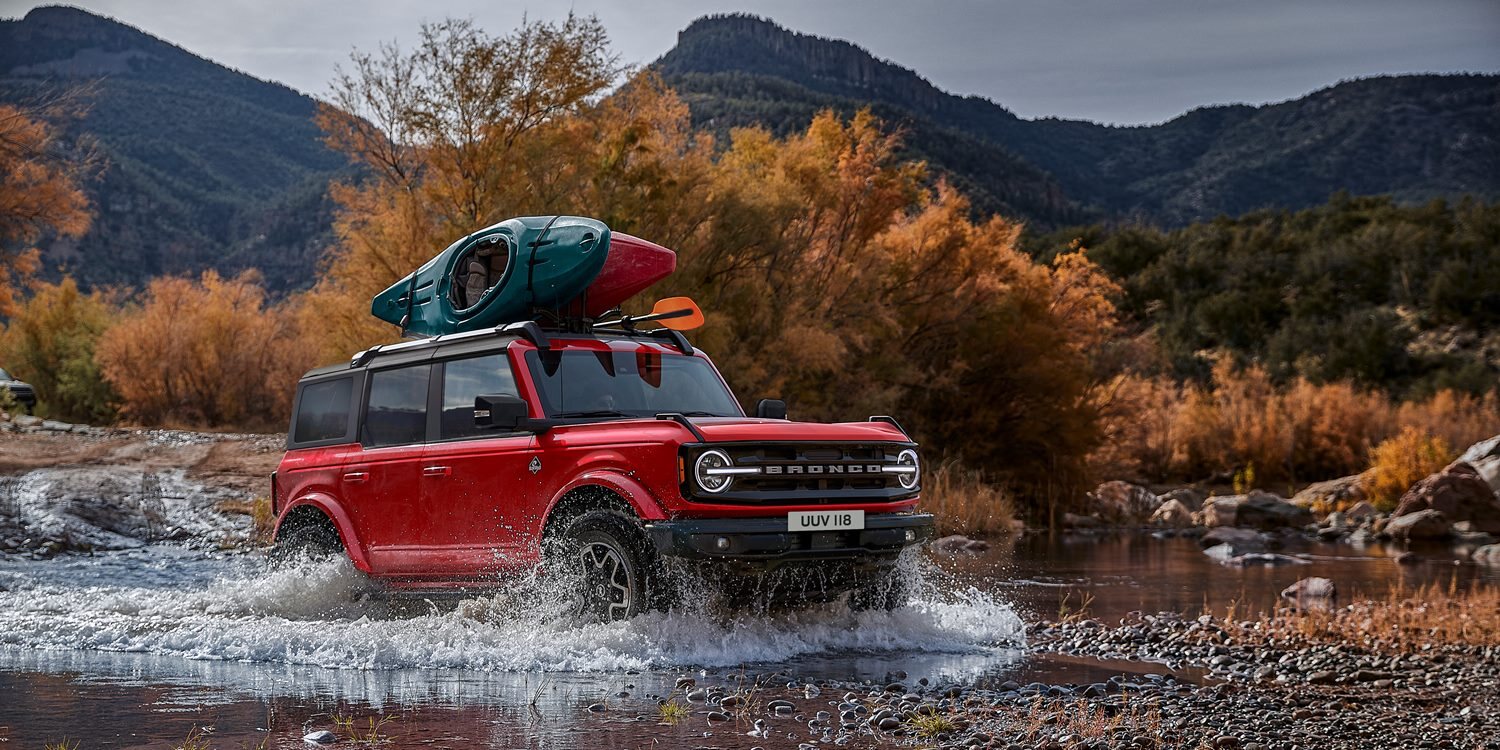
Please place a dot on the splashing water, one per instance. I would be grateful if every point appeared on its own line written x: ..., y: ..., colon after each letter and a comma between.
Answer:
x: 320, y: 614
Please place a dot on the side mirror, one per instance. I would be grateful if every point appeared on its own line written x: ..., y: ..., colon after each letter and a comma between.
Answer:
x: 770, y: 408
x: 501, y: 411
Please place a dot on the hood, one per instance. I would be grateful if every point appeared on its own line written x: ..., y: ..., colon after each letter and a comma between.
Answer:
x: 746, y: 429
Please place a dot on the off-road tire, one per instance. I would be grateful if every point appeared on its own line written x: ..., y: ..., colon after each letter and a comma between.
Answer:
x: 880, y: 590
x: 305, y: 541
x: 616, y: 567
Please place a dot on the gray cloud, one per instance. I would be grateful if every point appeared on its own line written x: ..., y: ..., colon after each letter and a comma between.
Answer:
x: 1121, y: 61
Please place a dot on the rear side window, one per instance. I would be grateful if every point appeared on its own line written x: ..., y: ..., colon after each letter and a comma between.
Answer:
x: 323, y: 411
x: 463, y: 379
x: 396, y: 413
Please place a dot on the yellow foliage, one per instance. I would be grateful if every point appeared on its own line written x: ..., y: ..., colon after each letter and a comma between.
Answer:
x: 1401, y: 461
x: 50, y: 342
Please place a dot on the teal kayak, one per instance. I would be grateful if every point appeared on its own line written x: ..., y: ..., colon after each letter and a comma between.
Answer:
x: 498, y: 275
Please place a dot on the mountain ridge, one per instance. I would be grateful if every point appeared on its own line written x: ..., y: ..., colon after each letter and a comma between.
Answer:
x: 1193, y: 167
x: 208, y: 167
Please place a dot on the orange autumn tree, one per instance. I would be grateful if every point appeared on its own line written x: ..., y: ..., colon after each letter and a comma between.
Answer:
x: 41, y: 173
x: 233, y: 362
x: 831, y: 271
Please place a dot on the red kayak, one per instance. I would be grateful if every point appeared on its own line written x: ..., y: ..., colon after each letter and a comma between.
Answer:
x: 633, y: 264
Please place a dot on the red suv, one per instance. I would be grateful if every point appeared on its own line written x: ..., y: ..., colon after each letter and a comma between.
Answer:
x: 445, y: 463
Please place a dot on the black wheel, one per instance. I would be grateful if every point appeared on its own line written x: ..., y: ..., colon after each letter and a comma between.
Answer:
x: 615, y: 569
x: 305, y: 541
x: 880, y: 590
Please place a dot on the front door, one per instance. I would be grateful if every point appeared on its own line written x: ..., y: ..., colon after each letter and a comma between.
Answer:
x: 485, y: 475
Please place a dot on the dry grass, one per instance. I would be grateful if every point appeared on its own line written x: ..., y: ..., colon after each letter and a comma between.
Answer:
x: 1399, y: 462
x: 366, y: 732
x: 1157, y: 430
x: 259, y: 510
x: 964, y: 503
x: 1400, y: 622
x: 1088, y: 722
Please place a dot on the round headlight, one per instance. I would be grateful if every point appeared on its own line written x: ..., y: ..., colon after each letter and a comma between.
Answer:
x: 707, y: 470
x: 911, y: 469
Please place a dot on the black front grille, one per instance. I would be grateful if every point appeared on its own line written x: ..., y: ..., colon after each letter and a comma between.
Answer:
x: 807, y: 473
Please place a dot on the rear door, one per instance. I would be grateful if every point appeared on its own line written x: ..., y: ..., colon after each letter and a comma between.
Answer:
x: 482, y: 478
x: 383, y: 480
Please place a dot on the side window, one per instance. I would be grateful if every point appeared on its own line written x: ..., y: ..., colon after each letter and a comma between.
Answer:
x: 323, y: 411
x: 463, y: 379
x: 397, y: 411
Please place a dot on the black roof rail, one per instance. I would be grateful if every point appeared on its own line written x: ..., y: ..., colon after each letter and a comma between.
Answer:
x: 678, y: 340
x: 530, y: 331
x: 890, y: 421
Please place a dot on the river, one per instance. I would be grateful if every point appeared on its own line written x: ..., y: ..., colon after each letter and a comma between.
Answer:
x: 141, y: 648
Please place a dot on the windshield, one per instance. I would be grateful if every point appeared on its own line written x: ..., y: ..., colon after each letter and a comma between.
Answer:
x: 628, y: 384
x: 5, y: 375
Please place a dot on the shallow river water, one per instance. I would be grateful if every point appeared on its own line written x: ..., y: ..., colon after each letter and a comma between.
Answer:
x: 142, y: 648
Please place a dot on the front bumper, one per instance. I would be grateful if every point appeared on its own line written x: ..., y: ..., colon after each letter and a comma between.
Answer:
x: 767, y: 541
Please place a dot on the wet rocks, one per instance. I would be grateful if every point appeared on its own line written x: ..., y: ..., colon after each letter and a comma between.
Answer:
x: 1258, y: 510
x: 1459, y: 493
x: 320, y: 737
x: 1123, y: 502
x: 1484, y: 456
x: 1487, y: 555
x: 1172, y: 514
x: 1314, y: 588
x: 1237, y: 541
x: 1422, y: 524
x: 1334, y: 493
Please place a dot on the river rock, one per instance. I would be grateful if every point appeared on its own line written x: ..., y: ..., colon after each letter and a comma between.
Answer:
x: 1172, y: 513
x: 1484, y: 456
x: 1423, y: 524
x: 1360, y: 512
x: 1260, y: 510
x: 1258, y: 558
x: 1460, y: 493
x: 1313, y: 588
x: 1487, y: 555
x: 1334, y: 493
x: 1188, y: 496
x: 1123, y: 502
x: 960, y: 543
x: 320, y: 737
x: 1239, y: 541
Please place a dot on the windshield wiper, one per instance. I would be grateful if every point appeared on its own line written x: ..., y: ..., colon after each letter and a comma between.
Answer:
x: 595, y: 413
x: 699, y: 414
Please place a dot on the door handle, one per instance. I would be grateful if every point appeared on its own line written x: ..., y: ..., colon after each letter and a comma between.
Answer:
x: 436, y: 471
x: 356, y: 476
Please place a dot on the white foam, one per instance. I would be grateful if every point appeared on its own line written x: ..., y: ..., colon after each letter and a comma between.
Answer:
x: 308, y: 615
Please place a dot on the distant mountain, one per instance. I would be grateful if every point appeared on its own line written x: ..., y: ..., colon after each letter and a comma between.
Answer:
x: 208, y: 167
x: 1413, y: 137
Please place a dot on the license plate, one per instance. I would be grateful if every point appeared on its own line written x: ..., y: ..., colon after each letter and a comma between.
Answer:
x: 825, y: 520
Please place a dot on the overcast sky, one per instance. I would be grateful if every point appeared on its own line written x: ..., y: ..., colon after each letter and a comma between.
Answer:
x: 1118, y: 61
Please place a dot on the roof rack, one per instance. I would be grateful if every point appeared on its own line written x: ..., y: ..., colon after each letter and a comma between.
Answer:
x: 527, y: 329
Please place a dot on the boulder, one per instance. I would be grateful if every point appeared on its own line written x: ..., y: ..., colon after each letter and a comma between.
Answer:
x: 1311, y: 589
x: 1218, y: 511
x: 1188, y: 496
x: 1487, y: 555
x: 1260, y: 510
x: 1123, y: 502
x: 1332, y: 494
x: 1172, y: 513
x: 1423, y: 524
x: 1239, y: 541
x: 1484, y: 456
x: 1360, y: 512
x: 1460, y: 493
